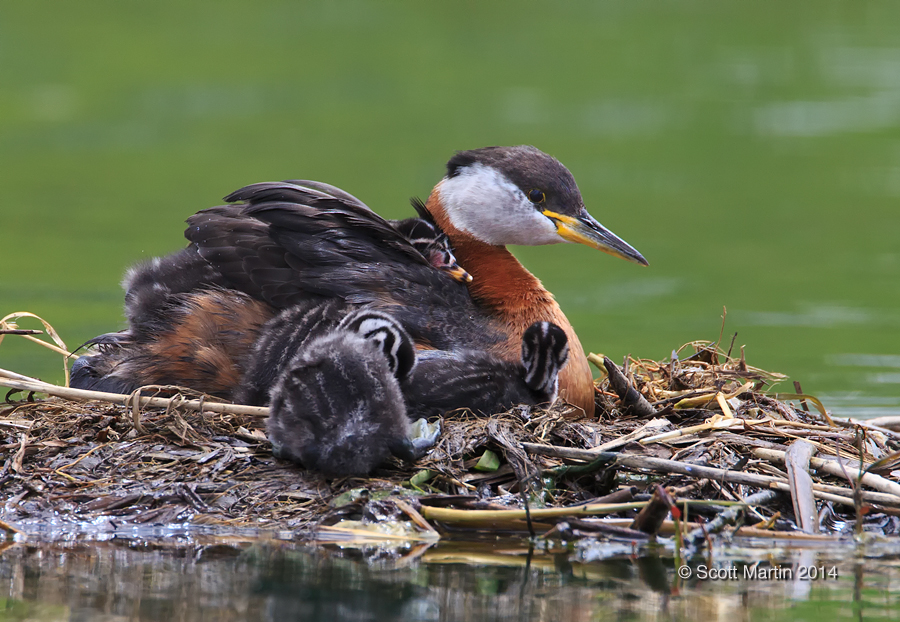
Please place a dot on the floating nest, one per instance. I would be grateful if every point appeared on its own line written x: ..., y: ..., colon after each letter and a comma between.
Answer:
x: 697, y: 439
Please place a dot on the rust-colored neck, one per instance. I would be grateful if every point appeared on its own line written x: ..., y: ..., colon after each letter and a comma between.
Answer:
x: 517, y: 298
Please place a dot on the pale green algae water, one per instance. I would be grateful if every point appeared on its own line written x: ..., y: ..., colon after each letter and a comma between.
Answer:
x: 751, y: 151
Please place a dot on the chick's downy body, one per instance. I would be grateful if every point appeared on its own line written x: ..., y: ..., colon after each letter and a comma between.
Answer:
x: 484, y: 382
x: 336, y: 405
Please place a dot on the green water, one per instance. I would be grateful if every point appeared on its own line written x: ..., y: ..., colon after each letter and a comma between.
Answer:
x: 751, y: 151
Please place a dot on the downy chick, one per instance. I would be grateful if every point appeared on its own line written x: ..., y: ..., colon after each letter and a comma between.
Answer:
x: 336, y: 406
x: 485, y: 383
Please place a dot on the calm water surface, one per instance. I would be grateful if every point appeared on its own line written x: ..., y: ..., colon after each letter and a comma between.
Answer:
x: 187, y: 579
x: 751, y: 151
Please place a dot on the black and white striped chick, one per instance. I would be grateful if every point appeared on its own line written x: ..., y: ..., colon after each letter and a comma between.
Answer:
x: 545, y: 351
x: 429, y: 240
x: 280, y: 339
x: 485, y: 383
x: 336, y: 405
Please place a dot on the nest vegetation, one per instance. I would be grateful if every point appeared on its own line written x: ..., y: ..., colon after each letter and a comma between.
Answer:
x: 695, y: 446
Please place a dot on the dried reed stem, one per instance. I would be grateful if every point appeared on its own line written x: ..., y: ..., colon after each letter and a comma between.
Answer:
x: 23, y: 383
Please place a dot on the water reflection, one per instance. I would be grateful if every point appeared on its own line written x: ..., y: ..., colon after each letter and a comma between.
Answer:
x: 819, y: 316
x: 861, y: 406
x: 188, y: 579
x: 867, y: 370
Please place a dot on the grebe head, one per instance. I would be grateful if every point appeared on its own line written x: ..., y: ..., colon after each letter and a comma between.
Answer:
x: 521, y: 195
x: 383, y: 330
x: 545, y: 350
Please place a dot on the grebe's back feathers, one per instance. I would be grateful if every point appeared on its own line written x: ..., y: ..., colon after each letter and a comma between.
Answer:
x: 288, y: 244
x: 303, y: 191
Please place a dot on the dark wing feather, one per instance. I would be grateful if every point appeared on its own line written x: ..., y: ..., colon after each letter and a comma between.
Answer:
x: 301, y: 191
x: 234, y: 245
x: 342, y: 195
x: 288, y: 243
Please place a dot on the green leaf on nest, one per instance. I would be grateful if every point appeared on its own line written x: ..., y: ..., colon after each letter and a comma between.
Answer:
x: 489, y: 461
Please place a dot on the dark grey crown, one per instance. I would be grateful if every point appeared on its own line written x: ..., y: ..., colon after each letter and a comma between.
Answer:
x: 385, y: 331
x: 545, y: 350
x: 530, y: 169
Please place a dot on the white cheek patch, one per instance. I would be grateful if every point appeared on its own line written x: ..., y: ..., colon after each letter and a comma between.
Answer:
x: 485, y: 204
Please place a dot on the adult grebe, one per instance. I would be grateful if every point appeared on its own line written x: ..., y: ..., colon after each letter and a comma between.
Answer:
x: 284, y: 242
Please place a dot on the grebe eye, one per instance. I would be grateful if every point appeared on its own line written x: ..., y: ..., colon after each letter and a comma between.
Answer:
x: 536, y: 196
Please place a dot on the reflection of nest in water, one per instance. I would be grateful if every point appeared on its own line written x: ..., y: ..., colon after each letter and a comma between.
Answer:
x: 82, y: 461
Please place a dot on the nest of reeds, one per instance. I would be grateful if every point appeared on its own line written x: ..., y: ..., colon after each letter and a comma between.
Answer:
x: 697, y: 438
